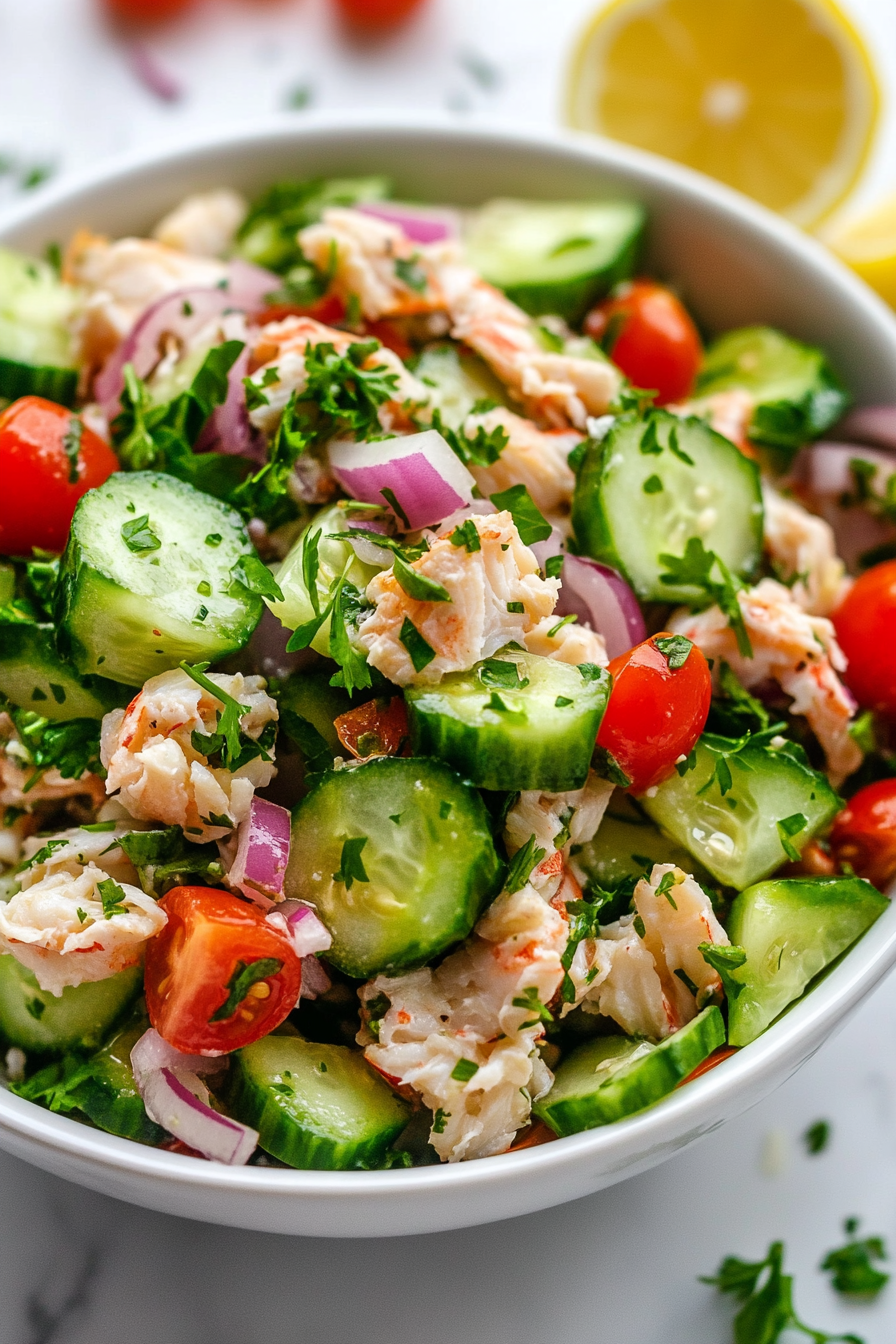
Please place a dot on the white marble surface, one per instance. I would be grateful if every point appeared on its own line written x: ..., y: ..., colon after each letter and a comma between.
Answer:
x: 616, y: 1268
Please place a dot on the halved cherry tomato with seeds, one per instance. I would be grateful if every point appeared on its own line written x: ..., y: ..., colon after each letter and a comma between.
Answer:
x: 865, y: 623
x: 657, y: 709
x: 864, y: 833
x: 378, y: 728
x: 649, y: 335
x: 218, y: 976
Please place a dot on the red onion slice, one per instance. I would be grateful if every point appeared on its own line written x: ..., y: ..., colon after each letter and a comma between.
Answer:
x: 229, y: 429
x: 307, y: 931
x: 426, y: 479
x: 152, y: 1052
x: 822, y: 476
x: 601, y: 598
x: 420, y: 223
x: 869, y: 424
x: 262, y: 853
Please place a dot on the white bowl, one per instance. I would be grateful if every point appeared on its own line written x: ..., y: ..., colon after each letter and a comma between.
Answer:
x: 735, y: 263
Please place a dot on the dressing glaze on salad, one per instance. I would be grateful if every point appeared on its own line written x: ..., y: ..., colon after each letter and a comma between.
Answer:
x: 430, y: 686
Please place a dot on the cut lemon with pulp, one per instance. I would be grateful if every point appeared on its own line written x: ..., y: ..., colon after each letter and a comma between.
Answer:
x: 778, y: 98
x: 867, y: 243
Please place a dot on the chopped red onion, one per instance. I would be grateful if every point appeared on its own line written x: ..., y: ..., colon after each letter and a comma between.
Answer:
x: 823, y: 476
x: 422, y: 224
x: 249, y: 286
x: 307, y: 931
x: 602, y: 599
x: 229, y: 429
x: 153, y: 76
x: 152, y: 1052
x: 869, y: 424
x: 262, y: 853
x: 426, y: 480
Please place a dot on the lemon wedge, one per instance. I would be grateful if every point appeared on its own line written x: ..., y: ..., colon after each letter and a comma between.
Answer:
x: 778, y: 98
x: 867, y: 243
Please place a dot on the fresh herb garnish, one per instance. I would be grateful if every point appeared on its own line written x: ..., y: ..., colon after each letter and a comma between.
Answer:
x: 410, y: 273
x: 788, y: 827
x: 605, y: 764
x: 482, y: 449
x: 420, y: 653
x: 724, y: 960
x: 245, y: 975
x: 664, y: 888
x: 850, y: 1266
x: 228, y: 719
x: 464, y: 1070
x: 652, y: 486
x: 522, y: 865
x: 553, y: 567
x: 392, y: 500
x: 466, y: 535
x: 351, y: 865
x: 253, y: 574
x: 694, y: 570
x: 529, y: 522
x: 817, y: 1137
x: 138, y: 536
x: 440, y: 1120
x: 675, y: 650
x: 505, y: 675
x: 417, y: 585
x: 113, y: 898
x: 71, y: 747
x: 530, y: 1001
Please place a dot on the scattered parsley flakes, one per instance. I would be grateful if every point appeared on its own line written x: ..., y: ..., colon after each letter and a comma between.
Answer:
x: 71, y: 446
x: 253, y: 574
x: 501, y: 673
x: 650, y: 443
x: 528, y: 520
x: 850, y: 1267
x: 417, y: 585
x: 351, y: 866
x: 82, y: 915
x: 466, y: 535
x: 555, y: 629
x: 817, y: 1137
x: 591, y: 671
x: 553, y: 567
x: 482, y: 449
x: 214, y: 539
x: 522, y: 865
x: 787, y: 828
x: 35, y: 1008
x: 694, y: 570
x: 516, y: 608
x: 98, y: 827
x: 440, y: 1120
x: 653, y: 485
x: 666, y: 883
x: 392, y: 500
x: 228, y: 728
x: 464, y: 1070
x: 686, y: 980
x: 675, y: 649
x: 531, y: 1003
x: 411, y: 273
x: 138, y: 536
x: 724, y: 959
x: 420, y: 653
x: 562, y: 701
x: 113, y: 898
x: 245, y: 975
x: 605, y: 764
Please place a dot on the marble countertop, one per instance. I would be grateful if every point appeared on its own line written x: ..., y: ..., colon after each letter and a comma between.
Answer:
x: 620, y: 1267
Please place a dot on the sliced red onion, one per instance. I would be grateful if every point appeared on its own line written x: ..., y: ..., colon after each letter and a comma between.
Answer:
x: 424, y: 477
x: 869, y: 424
x: 248, y: 286
x: 229, y: 429
x: 152, y: 75
x: 552, y: 545
x: 174, y: 1104
x: 421, y: 223
x: 601, y: 598
x: 307, y: 931
x: 152, y: 1052
x: 822, y: 475
x: 262, y: 853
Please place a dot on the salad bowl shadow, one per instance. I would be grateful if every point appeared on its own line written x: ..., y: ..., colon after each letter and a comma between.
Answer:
x: 736, y: 264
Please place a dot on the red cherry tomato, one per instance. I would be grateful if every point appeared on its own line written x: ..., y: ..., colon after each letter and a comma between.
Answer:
x: 147, y: 11
x: 864, y: 833
x: 330, y: 310
x: 218, y: 976
x: 376, y: 14
x: 866, y: 629
x: 656, y: 344
x: 38, y: 462
x: 656, y: 712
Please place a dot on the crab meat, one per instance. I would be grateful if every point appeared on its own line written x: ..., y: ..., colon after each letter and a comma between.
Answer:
x: 676, y: 921
x: 476, y: 622
x: 570, y: 818
x: 729, y: 413
x: 802, y: 545
x: 58, y: 928
x: 533, y: 457
x: 373, y: 262
x: 160, y: 775
x: 465, y: 1009
x: 573, y: 643
x: 203, y: 225
x: 792, y: 648
x: 73, y: 850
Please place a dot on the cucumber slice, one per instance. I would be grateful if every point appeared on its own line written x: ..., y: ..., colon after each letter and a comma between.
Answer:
x: 556, y: 257
x: 790, y: 930
x: 456, y: 381
x: 296, y: 607
x: 312, y: 699
x: 132, y: 613
x: 37, y: 380
x: 318, y: 1107
x: 33, y: 676
x: 735, y: 834
x: 628, y: 844
x: 412, y: 847
x: 797, y: 394
x: 35, y: 308
x: 614, y: 1076
x: 538, y: 736
x: 654, y: 484
x: 37, y: 1021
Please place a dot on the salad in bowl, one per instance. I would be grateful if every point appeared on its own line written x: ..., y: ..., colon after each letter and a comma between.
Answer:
x: 436, y: 717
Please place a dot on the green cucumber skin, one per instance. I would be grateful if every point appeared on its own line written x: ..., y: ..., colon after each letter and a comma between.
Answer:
x: 109, y: 627
x: 18, y: 379
x: 430, y: 876
x: 80, y: 1019
x: 310, y: 695
x: 627, y: 845
x: 33, y: 676
x: 549, y: 749
x: 632, y: 1086
x: 457, y: 380
x: 342, y: 1119
x: 611, y: 480
x: 779, y: 784
x: 35, y: 310
x: 791, y: 930
x: 108, y: 1095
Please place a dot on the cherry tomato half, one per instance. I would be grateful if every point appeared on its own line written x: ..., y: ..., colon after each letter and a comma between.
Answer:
x: 653, y: 340
x: 377, y: 728
x: 147, y: 11
x: 866, y: 629
x: 656, y: 711
x: 864, y: 833
x: 376, y: 14
x: 45, y: 469
x: 218, y: 976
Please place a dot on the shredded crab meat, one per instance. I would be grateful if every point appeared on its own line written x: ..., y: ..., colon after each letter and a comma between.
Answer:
x: 16, y: 773
x: 571, y: 643
x: 58, y: 928
x: 73, y: 850
x: 203, y: 225
x: 119, y: 280
x: 729, y: 413
x: 464, y: 1009
x: 476, y: 622
x: 803, y: 546
x: 572, y: 818
x: 533, y: 457
x: 160, y: 775
x: 792, y: 648
x: 373, y: 262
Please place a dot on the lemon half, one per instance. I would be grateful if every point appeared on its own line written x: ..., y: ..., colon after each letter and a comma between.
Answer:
x: 778, y: 98
x: 867, y: 243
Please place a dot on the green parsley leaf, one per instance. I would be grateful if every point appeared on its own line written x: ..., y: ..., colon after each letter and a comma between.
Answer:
x: 440, y: 1120
x: 113, y: 898
x: 349, y: 607
x: 850, y: 1266
x: 675, y: 650
x: 522, y: 865
x: 676, y: 449
x: 516, y: 608
x: 314, y: 747
x: 529, y: 522
x: 724, y: 960
x: 553, y: 567
x: 650, y: 443
x: 228, y: 718
x: 664, y: 888
x: 652, y: 486
x: 97, y: 827
x: 245, y: 975
x: 421, y: 654
x: 817, y: 1137
x: 466, y: 535
x: 351, y: 866
x: 694, y: 570
x: 605, y: 764
x: 82, y: 915
x: 530, y: 1001
x: 788, y: 827
x: 562, y: 701
x: 71, y: 446
x: 464, y: 1070
x: 391, y: 499
x: 501, y: 673
x: 253, y: 574
x: 591, y: 671
x: 410, y: 273
x: 482, y: 449
x: 71, y: 747
x: 417, y: 585
x: 138, y: 536
x: 35, y: 1008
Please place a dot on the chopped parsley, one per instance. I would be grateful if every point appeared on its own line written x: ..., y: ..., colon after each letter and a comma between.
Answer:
x: 850, y: 1266
x: 411, y: 273
x: 502, y: 674
x: 392, y: 500
x: 817, y: 1137
x: 724, y: 959
x: 553, y: 567
x: 516, y: 608
x: 529, y: 522
x: 440, y: 1120
x: 531, y: 1003
x: 605, y: 764
x: 652, y: 486
x: 420, y: 653
x: 245, y: 975
x: 466, y: 535
x: 113, y: 898
x: 35, y: 1008
x: 71, y: 446
x: 351, y: 865
x: 787, y: 828
x: 522, y: 865
x: 664, y: 888
x: 227, y: 737
x: 71, y: 747
x: 464, y: 1070
x: 562, y: 701
x: 138, y: 536
x: 694, y: 570
x: 417, y: 585
x: 675, y: 650
x: 482, y: 449
x: 253, y: 574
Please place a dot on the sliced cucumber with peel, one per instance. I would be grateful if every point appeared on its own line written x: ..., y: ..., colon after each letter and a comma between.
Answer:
x: 628, y: 844
x: 128, y: 613
x: 791, y: 930
x: 36, y: 356
x: 456, y: 380
x: 40, y: 1023
x: 796, y: 394
x: 33, y: 676
x: 555, y: 257
x: 612, y: 1077
x: 398, y: 858
x: 515, y: 721
x: 654, y: 484
x: 735, y: 835
x: 316, y: 1107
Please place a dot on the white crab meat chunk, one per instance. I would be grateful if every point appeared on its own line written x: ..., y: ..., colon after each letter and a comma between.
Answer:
x: 802, y: 545
x: 154, y: 765
x: 729, y: 413
x: 482, y: 585
x: 533, y: 457
x: 482, y: 1005
x: 798, y: 651
x: 60, y: 929
x: 17, y: 783
x: 73, y: 850
x: 572, y: 643
x: 557, y: 820
x: 119, y: 280
x: 205, y: 224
